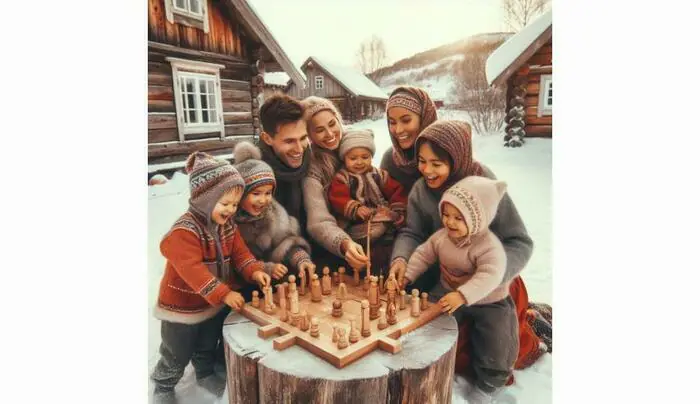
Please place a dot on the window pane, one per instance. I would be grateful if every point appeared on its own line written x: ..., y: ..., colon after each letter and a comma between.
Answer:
x: 190, y: 101
x: 180, y: 3
x: 194, y: 6
x: 203, y: 101
x: 193, y: 116
x: 202, y: 86
x: 190, y: 85
x: 205, y: 116
x: 213, y: 115
x: 212, y: 101
x: 210, y: 86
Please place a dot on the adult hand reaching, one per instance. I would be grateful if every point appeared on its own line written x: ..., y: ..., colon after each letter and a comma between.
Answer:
x: 354, y: 254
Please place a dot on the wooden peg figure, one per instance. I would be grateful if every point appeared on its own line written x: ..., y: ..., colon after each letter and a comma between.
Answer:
x: 382, y: 319
x: 304, y: 321
x: 314, y: 327
x: 373, y: 298
x: 415, y: 303
x: 342, y: 338
x: 334, y: 337
x: 326, y: 285
x: 337, y: 308
x: 366, y: 332
x: 391, y: 313
x: 283, y: 302
x: 354, y: 332
x: 293, y: 295
x: 256, y: 299
x: 315, y: 289
x: 341, y: 275
x: 402, y: 300
x: 356, y: 277
x: 342, y: 291
x: 302, y: 283
x: 424, y: 301
x: 392, y: 288
x: 269, y: 303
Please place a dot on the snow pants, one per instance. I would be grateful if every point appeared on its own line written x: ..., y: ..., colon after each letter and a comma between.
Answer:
x: 181, y: 343
x: 493, y: 337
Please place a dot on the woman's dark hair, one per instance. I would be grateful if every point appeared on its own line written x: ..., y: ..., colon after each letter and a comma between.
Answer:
x: 441, y: 153
x: 279, y: 110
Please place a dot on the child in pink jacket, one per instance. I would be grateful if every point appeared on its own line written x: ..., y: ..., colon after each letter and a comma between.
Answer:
x: 472, y: 265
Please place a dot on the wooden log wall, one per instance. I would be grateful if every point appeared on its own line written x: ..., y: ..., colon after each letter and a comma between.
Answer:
x: 540, y: 63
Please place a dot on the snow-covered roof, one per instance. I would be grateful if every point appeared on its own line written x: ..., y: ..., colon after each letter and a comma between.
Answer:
x: 353, y: 81
x: 505, y: 55
x: 276, y: 78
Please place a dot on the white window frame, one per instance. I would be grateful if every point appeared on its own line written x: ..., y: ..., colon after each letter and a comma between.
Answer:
x: 184, y: 16
x: 317, y: 80
x: 194, y: 69
x: 542, y: 107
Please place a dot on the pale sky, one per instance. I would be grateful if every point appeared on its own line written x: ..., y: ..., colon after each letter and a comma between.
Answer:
x: 333, y: 29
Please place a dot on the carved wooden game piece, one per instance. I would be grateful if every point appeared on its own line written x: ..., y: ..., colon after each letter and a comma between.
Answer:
x: 315, y: 289
x: 382, y: 319
x: 269, y: 303
x: 391, y: 289
x: 314, y: 327
x: 302, y: 283
x: 293, y: 295
x: 366, y: 286
x: 283, y: 302
x: 341, y: 275
x: 337, y: 308
x: 326, y: 285
x: 336, y: 278
x: 256, y: 299
x: 424, y: 301
x: 342, y: 339
x: 304, y: 326
x: 402, y: 300
x: 356, y: 277
x: 391, y: 313
x: 354, y: 332
x: 342, y: 291
x: 373, y: 298
x: 334, y: 337
x: 415, y: 303
x: 366, y: 332
x: 268, y: 308
x: 381, y: 285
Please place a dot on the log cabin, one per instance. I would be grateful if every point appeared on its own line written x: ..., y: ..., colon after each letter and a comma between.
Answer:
x: 523, y: 64
x: 206, y: 66
x: 355, y: 95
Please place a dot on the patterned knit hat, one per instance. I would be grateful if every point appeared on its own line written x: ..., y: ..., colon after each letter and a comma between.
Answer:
x: 210, y: 179
x: 255, y: 172
x: 356, y: 138
x: 477, y: 199
x: 455, y: 138
x: 313, y: 105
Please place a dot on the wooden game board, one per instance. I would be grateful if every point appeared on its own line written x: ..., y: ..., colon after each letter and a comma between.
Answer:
x: 322, y: 346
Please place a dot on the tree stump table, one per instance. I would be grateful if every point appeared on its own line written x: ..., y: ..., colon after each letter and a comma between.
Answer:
x: 421, y: 372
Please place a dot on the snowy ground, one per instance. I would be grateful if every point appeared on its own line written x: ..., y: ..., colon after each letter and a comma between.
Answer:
x: 527, y: 170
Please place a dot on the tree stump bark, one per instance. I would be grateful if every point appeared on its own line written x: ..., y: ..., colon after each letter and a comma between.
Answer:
x: 421, y: 372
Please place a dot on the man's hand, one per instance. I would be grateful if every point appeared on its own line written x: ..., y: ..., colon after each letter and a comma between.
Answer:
x: 364, y: 213
x: 234, y: 300
x: 398, y: 268
x: 308, y: 268
x: 452, y: 301
x: 261, y: 278
x: 354, y: 255
x: 278, y: 271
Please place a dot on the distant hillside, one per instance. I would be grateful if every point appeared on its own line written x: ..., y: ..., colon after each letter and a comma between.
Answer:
x: 434, y: 68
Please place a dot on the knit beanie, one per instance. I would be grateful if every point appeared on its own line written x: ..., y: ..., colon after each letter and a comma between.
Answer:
x: 356, y: 138
x: 313, y: 105
x: 255, y: 172
x: 210, y: 179
x: 477, y: 199
x: 455, y: 138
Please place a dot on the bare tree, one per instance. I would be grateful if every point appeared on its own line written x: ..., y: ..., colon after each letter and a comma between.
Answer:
x: 485, y: 104
x: 371, y: 55
x: 519, y: 13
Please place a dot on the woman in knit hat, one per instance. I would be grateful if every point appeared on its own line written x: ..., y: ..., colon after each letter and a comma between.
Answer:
x: 444, y: 156
x: 359, y: 190
x: 270, y: 233
x: 207, y: 262
x: 472, y: 264
x: 332, y: 245
x: 409, y: 110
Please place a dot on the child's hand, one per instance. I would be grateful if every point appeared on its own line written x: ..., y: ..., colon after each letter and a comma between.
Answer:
x: 398, y: 268
x: 364, y: 213
x: 452, y: 301
x: 278, y: 271
x: 234, y: 300
x: 308, y: 268
x: 261, y: 278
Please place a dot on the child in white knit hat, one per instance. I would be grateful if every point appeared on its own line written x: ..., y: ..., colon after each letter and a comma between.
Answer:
x: 472, y: 265
x: 361, y: 192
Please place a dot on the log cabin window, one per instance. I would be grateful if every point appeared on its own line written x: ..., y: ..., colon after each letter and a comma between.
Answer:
x: 544, y: 106
x: 319, y: 82
x: 192, y: 13
x: 197, y: 93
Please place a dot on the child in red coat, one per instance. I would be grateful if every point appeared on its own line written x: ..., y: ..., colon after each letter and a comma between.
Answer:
x: 360, y: 192
x: 207, y: 261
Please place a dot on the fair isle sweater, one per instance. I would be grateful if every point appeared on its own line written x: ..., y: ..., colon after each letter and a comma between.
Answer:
x: 423, y: 219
